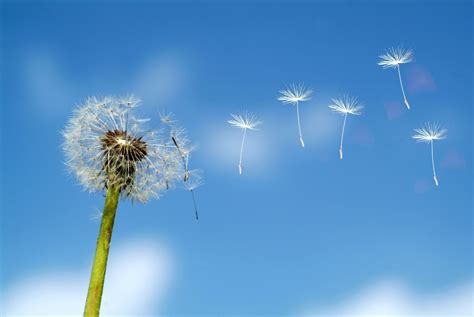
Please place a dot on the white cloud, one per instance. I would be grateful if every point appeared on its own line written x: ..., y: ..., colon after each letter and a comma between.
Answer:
x: 138, y: 275
x: 45, y: 83
x: 391, y: 298
x: 321, y: 125
x: 222, y: 148
x: 160, y: 79
x: 265, y: 148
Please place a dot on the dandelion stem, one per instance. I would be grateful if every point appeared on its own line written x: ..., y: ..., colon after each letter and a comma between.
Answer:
x: 241, y: 151
x: 401, y: 86
x: 342, y: 135
x: 194, y: 202
x: 96, y: 284
x: 299, y: 125
x: 433, y: 165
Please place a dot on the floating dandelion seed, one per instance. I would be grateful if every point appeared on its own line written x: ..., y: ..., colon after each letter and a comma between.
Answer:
x: 427, y: 134
x: 182, y: 148
x: 110, y: 150
x: 293, y: 95
x: 191, y: 179
x: 244, y: 121
x: 194, y: 181
x: 179, y: 140
x: 345, y: 106
x: 392, y: 59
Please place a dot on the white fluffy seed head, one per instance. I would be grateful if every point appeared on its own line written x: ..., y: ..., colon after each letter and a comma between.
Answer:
x: 346, y: 105
x: 430, y: 132
x: 245, y: 120
x: 395, y: 56
x: 295, y: 94
x: 105, y: 145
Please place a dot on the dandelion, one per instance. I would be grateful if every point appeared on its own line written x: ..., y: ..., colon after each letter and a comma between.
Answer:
x: 244, y: 121
x: 293, y: 95
x: 110, y: 150
x: 427, y: 134
x: 345, y: 106
x: 392, y: 59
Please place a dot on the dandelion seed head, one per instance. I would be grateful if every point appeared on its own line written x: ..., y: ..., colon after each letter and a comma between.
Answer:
x: 245, y: 121
x: 106, y: 145
x: 430, y: 132
x: 346, y: 105
x: 395, y: 56
x: 295, y: 94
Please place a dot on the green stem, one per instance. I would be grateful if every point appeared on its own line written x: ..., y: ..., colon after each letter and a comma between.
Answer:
x: 96, y: 284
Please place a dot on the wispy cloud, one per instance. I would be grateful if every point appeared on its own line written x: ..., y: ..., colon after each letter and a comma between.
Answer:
x: 266, y: 150
x: 158, y: 80
x: 222, y: 153
x: 322, y: 125
x: 392, y: 298
x: 161, y: 78
x: 45, y: 83
x: 137, y: 279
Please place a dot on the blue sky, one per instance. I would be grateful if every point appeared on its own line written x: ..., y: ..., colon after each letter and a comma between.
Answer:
x: 299, y: 230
